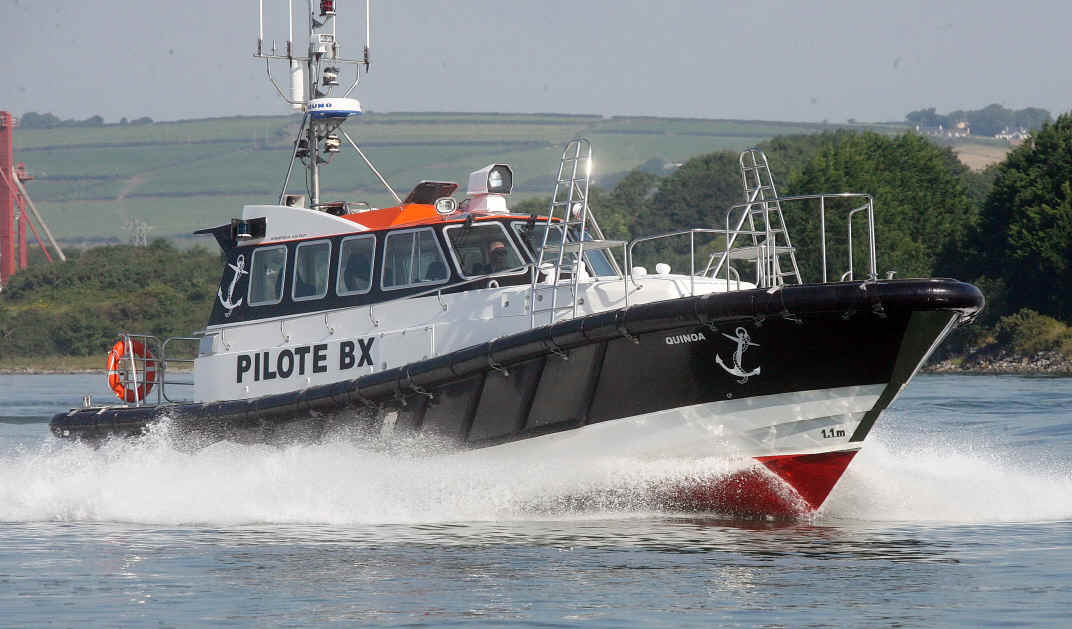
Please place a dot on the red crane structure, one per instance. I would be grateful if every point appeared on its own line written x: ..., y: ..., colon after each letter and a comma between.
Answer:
x: 16, y: 208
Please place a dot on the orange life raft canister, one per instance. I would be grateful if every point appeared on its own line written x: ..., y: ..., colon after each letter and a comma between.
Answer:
x: 119, y: 362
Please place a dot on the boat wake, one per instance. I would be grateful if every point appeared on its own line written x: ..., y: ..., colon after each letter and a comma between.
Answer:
x: 347, y: 481
x: 896, y: 479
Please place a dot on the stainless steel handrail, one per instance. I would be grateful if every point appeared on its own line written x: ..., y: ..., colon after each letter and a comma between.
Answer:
x: 869, y: 206
x: 762, y: 251
x: 438, y: 290
x: 692, y: 246
x: 692, y: 252
x: 165, y: 360
x: 871, y: 234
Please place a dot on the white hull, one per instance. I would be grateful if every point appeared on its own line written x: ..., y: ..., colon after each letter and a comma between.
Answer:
x: 784, y: 423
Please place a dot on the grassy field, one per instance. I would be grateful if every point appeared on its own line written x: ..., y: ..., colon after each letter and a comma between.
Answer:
x: 978, y: 156
x: 181, y: 176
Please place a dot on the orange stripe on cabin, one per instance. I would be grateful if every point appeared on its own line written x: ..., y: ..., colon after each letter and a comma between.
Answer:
x: 412, y: 214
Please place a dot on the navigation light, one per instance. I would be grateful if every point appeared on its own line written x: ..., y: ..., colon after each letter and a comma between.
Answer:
x: 445, y: 206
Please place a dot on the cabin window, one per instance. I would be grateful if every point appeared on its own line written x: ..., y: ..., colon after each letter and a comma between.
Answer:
x: 311, y: 262
x: 355, y: 265
x: 532, y: 236
x: 412, y: 258
x: 598, y: 262
x: 483, y: 249
x: 266, y: 275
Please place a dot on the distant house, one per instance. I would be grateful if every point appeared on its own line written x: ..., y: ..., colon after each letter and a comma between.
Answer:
x: 960, y: 129
x: 1014, y: 137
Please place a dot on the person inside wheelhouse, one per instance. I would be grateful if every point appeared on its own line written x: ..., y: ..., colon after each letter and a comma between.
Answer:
x: 497, y: 256
x: 483, y: 248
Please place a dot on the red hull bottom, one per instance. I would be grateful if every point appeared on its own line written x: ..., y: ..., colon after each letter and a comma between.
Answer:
x: 792, y: 485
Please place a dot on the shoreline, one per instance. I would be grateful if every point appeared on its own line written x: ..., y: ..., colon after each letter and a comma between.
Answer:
x: 1047, y: 363
x: 61, y: 365
x: 943, y: 369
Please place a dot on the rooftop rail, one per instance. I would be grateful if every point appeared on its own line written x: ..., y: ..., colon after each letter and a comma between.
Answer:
x: 763, y: 254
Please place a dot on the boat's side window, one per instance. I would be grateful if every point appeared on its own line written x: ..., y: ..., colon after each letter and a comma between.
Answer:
x: 311, y: 262
x: 533, y: 239
x: 598, y: 260
x: 482, y: 249
x: 266, y: 275
x: 532, y: 236
x: 412, y: 258
x: 355, y: 265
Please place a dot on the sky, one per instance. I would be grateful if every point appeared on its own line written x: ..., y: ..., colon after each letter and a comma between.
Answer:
x: 774, y: 60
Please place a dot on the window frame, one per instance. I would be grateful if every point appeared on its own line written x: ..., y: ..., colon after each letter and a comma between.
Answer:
x: 372, y: 267
x: 517, y: 226
x: 383, y: 259
x: 283, y: 273
x: 519, y: 270
x: 590, y: 266
x: 294, y: 273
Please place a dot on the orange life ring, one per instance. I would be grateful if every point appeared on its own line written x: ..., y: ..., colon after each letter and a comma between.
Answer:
x: 117, y: 375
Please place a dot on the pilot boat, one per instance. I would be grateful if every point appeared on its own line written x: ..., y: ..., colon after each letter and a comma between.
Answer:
x: 491, y: 331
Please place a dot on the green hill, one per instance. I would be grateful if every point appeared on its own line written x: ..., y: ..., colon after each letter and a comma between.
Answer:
x: 181, y: 176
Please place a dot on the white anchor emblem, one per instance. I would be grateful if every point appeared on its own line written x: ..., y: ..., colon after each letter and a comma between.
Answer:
x: 239, y: 268
x: 743, y: 342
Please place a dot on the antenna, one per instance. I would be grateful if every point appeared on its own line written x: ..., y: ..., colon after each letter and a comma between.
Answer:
x: 368, y: 31
x: 297, y: 94
x: 260, y: 31
x: 313, y: 78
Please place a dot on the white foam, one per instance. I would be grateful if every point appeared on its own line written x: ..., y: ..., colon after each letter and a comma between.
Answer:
x: 351, y: 482
x: 338, y: 482
x: 896, y: 479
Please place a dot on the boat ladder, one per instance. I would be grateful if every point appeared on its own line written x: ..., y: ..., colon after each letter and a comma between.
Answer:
x: 762, y: 213
x: 560, y: 260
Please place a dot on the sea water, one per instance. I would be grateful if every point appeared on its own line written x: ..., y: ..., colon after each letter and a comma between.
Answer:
x: 958, y: 512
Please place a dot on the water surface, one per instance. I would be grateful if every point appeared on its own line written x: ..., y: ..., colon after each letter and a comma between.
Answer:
x: 958, y: 512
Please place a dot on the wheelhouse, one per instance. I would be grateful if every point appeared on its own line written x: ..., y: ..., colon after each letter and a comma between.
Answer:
x: 466, y: 252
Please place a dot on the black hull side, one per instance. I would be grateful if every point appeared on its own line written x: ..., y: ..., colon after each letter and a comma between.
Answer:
x: 603, y: 367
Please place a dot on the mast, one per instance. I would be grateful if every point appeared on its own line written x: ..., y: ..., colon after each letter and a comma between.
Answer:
x: 314, y: 78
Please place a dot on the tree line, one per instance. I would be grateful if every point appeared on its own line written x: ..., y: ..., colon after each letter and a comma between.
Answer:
x: 990, y: 120
x: 34, y: 120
